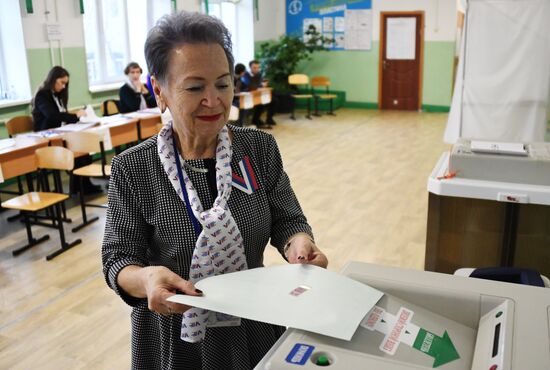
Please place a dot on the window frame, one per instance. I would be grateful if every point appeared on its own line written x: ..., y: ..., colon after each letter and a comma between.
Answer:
x: 104, y: 83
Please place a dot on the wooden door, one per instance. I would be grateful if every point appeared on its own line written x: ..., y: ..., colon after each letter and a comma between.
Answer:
x: 401, y: 59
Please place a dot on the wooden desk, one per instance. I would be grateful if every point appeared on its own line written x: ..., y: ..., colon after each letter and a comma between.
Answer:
x: 248, y: 100
x: 147, y: 122
x: 19, y: 159
x: 123, y: 131
x: 117, y: 130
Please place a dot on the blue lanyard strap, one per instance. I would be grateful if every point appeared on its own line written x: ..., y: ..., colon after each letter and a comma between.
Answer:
x: 194, y: 221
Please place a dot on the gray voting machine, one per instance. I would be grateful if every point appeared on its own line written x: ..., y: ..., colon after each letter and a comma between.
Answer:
x: 430, y: 320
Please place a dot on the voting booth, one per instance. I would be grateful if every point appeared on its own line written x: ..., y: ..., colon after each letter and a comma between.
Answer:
x: 430, y: 320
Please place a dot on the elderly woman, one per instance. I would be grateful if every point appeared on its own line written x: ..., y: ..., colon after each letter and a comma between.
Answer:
x: 202, y: 198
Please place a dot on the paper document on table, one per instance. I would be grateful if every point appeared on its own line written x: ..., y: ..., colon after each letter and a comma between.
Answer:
x: 6, y: 143
x: 74, y: 127
x: 493, y: 147
x: 248, y: 101
x: 155, y: 110
x: 266, y: 97
x: 114, y: 118
x: 46, y: 134
x: 90, y: 115
x: 299, y: 296
x: 106, y: 134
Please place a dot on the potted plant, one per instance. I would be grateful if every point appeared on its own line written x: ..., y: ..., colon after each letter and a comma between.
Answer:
x: 280, y: 58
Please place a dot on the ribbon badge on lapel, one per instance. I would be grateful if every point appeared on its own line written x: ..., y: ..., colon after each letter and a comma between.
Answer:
x: 248, y: 182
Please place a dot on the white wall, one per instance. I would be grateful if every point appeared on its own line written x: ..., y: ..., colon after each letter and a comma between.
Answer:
x: 440, y: 18
x: 189, y: 5
x: 65, y: 12
x: 271, y: 23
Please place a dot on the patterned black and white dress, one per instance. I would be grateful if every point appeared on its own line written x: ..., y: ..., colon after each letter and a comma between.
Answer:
x: 147, y: 224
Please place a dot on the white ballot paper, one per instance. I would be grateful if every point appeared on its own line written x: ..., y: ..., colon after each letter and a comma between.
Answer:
x: 299, y: 296
x: 90, y: 116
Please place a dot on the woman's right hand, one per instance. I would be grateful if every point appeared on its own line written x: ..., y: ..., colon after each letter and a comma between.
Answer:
x: 80, y: 113
x: 161, y: 283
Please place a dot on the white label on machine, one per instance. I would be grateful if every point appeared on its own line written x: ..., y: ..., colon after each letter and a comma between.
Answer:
x: 393, y: 336
x: 399, y: 329
x: 492, y: 147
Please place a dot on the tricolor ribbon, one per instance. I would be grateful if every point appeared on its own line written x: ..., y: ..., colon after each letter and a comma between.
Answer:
x: 248, y: 182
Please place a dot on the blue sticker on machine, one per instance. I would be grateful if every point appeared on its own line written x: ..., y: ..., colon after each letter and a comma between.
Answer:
x: 299, y: 354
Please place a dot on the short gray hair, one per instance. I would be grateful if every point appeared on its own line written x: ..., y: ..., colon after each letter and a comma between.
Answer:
x: 183, y: 28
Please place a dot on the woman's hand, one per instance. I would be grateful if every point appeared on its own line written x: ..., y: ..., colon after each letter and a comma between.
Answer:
x: 160, y: 283
x: 303, y: 250
x: 80, y: 113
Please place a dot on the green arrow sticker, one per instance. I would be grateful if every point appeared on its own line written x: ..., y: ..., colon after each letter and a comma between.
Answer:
x: 440, y: 348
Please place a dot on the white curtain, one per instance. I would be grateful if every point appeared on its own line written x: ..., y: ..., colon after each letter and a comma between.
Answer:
x: 503, y: 76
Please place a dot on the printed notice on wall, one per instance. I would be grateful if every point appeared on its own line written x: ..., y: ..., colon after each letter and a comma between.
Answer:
x: 401, y: 38
x: 358, y: 29
x: 53, y: 31
x: 315, y: 22
x: 339, y: 24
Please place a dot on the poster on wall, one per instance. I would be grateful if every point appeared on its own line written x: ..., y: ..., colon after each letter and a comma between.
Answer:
x: 401, y: 38
x: 347, y: 22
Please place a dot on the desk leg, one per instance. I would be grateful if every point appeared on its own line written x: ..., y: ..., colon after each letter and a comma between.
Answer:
x: 509, y: 235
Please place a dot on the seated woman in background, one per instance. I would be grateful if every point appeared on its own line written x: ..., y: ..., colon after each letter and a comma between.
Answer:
x: 49, y: 110
x: 134, y: 95
x: 49, y: 106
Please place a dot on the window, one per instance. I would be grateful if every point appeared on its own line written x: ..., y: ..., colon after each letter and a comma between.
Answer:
x: 14, y: 75
x: 237, y: 15
x: 115, y: 32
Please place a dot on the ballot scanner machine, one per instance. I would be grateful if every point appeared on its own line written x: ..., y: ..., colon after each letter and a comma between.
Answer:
x: 430, y: 320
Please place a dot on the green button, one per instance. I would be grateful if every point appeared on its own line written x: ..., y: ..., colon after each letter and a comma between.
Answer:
x: 499, y: 314
x: 323, y: 361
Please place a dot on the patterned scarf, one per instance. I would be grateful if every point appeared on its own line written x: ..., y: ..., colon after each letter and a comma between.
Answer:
x: 219, y: 248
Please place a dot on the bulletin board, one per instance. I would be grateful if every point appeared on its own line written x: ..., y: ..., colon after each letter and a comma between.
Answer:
x: 347, y: 22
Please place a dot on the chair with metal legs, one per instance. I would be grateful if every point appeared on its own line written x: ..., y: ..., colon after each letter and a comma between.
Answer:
x: 49, y: 158
x: 88, y: 142
x: 300, y: 80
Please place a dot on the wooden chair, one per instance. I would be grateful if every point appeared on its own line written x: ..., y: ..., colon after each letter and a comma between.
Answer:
x: 88, y: 142
x: 297, y: 80
x: 18, y: 125
x: 14, y: 126
x: 322, y: 81
x: 109, y: 107
x: 48, y: 158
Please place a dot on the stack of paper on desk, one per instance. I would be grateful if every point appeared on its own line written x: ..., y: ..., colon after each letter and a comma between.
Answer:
x: 298, y: 296
x: 74, y: 127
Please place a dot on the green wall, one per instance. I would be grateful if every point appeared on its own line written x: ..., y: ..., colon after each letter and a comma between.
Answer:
x: 356, y: 73
x: 40, y: 63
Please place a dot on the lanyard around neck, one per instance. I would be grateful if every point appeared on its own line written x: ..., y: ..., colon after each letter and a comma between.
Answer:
x: 196, y: 224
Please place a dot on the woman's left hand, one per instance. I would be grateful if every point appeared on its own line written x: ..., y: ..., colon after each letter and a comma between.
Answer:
x: 303, y: 250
